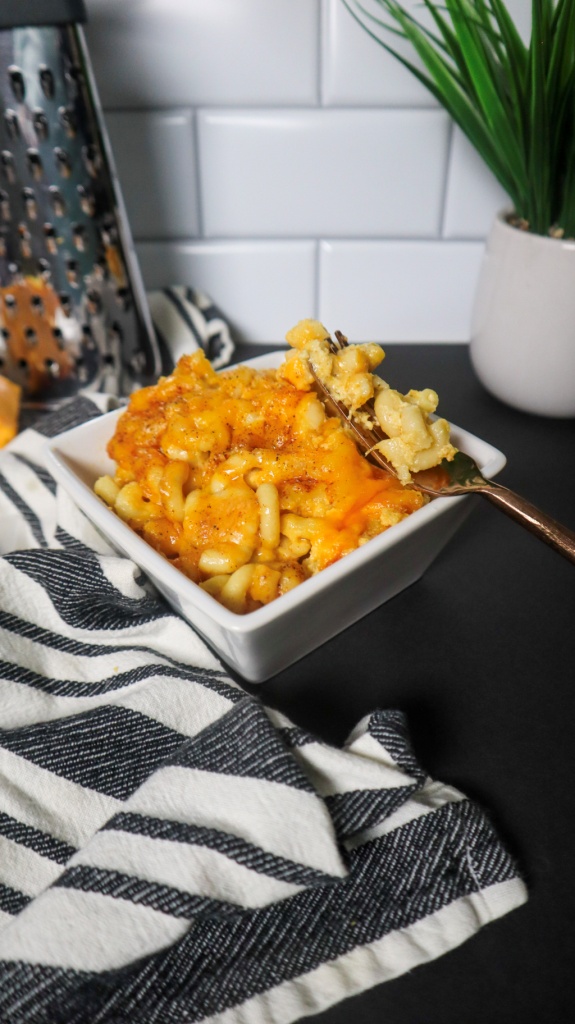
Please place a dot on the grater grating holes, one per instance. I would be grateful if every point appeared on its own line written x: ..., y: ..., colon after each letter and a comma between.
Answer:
x: 8, y: 168
x: 72, y: 272
x: 123, y: 298
x: 25, y: 247
x: 29, y: 201
x: 46, y: 81
x: 51, y: 238
x: 67, y: 119
x: 92, y: 160
x: 62, y: 257
x: 87, y: 201
x: 101, y: 268
x: 41, y: 123
x: 74, y: 80
x: 12, y: 124
x: 94, y: 302
x: 57, y: 201
x: 79, y: 236
x: 52, y: 367
x: 63, y: 162
x: 17, y: 83
x: 34, y: 164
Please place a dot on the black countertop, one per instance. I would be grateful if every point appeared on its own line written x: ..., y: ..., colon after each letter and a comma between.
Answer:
x: 480, y: 654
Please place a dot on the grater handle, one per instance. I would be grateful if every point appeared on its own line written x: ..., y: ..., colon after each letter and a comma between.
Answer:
x: 15, y: 14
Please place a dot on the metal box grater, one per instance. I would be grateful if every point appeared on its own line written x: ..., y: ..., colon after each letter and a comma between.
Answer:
x: 73, y: 312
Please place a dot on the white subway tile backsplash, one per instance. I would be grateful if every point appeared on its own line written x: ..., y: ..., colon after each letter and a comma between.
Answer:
x: 398, y: 291
x: 274, y: 155
x: 473, y: 194
x: 165, y: 53
x: 322, y: 172
x: 155, y: 159
x: 520, y: 11
x: 262, y: 288
x: 357, y: 71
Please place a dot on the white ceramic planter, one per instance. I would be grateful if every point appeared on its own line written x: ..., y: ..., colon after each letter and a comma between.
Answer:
x: 523, y: 327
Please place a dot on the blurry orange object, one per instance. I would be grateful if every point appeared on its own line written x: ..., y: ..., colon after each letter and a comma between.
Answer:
x: 30, y: 317
x: 9, y: 410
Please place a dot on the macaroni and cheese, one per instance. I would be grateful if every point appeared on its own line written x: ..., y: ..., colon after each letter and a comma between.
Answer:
x: 244, y: 482
x: 414, y: 441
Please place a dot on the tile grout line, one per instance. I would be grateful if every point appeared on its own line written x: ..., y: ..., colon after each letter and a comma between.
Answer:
x: 446, y: 182
x: 263, y: 240
x: 319, y: 85
x: 319, y: 55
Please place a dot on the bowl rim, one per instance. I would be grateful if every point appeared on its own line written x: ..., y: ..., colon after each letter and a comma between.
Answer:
x: 60, y: 462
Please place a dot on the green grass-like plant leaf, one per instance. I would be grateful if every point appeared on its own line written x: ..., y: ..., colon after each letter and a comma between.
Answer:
x: 514, y: 101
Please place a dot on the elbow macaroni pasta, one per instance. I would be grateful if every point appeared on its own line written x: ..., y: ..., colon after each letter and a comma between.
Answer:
x: 244, y: 483
x: 414, y: 441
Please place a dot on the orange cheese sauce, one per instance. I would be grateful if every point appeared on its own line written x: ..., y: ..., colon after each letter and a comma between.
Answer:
x: 196, y: 454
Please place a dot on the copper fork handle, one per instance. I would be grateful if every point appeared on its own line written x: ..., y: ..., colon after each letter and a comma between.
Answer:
x: 533, y: 519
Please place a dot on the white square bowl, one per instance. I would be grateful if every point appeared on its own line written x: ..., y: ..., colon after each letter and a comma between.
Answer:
x: 263, y: 642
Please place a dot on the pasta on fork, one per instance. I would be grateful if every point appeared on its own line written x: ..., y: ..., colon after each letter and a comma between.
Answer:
x: 244, y: 481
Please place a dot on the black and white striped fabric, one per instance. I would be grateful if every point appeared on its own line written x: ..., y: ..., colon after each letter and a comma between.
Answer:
x: 185, y: 317
x: 171, y: 849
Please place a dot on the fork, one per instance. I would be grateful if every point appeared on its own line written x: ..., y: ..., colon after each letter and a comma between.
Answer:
x: 460, y: 475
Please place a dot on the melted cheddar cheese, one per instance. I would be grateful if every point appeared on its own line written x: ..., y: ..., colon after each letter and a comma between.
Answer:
x: 414, y: 441
x: 243, y: 482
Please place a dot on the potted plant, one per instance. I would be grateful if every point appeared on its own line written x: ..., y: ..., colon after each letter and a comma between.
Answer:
x: 515, y: 102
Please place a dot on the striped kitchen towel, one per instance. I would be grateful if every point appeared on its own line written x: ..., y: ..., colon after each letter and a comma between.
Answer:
x: 185, y: 318
x: 173, y: 850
